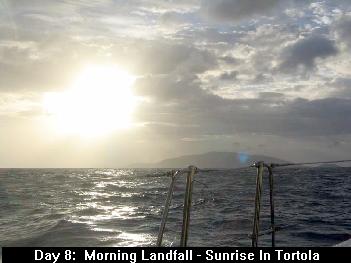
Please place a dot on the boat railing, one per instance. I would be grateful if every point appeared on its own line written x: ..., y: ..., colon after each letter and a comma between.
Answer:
x: 260, y: 167
x: 190, y: 173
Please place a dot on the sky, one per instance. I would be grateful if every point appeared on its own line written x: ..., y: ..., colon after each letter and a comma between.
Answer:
x: 266, y: 77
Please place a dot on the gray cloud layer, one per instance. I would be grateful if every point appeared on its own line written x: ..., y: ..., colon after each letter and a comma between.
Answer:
x: 234, y: 10
x: 304, y: 52
x: 207, y: 69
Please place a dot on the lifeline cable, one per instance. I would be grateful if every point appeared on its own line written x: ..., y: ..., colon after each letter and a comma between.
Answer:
x: 259, y: 166
x: 307, y: 163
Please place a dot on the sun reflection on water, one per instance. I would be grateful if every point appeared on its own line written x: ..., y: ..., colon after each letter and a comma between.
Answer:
x: 135, y: 239
x: 106, y: 206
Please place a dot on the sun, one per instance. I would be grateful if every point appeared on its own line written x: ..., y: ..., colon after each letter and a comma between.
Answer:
x: 100, y: 101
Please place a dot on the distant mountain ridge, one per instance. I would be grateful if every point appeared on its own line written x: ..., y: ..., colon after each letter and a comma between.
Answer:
x: 210, y: 160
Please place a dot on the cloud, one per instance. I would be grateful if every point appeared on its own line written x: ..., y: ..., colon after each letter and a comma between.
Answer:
x: 163, y: 57
x: 340, y: 88
x: 343, y: 29
x: 183, y: 109
x: 33, y: 66
x: 168, y: 88
x: 234, y: 10
x: 304, y: 53
x: 173, y: 19
x: 271, y: 95
x: 232, y: 75
x: 206, y: 69
x: 229, y: 59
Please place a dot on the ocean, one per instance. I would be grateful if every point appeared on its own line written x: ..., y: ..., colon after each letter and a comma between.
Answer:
x: 122, y: 207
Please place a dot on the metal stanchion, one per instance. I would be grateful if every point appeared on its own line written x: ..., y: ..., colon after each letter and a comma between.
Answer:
x: 271, y: 200
x: 255, y: 232
x: 187, y: 205
x: 166, y: 208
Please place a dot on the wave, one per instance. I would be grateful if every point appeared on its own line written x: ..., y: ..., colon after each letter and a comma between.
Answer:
x: 97, y: 207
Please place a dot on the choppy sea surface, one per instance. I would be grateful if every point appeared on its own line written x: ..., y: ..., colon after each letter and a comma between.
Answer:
x: 122, y: 207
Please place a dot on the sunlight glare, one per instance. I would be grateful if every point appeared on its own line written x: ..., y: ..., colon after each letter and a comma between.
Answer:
x: 99, y: 101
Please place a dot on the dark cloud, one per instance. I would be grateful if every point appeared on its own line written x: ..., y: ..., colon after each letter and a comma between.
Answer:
x: 234, y: 10
x: 343, y: 29
x: 231, y: 75
x: 197, y: 112
x: 304, y: 53
x: 229, y: 59
x: 271, y: 95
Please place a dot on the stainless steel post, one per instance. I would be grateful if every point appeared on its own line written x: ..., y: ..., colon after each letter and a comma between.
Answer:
x: 187, y: 206
x: 166, y: 209
x: 271, y: 200
x: 256, y: 223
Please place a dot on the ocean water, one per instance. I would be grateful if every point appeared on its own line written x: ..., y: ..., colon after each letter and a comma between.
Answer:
x: 122, y: 207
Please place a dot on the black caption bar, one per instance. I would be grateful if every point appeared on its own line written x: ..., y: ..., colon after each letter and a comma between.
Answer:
x: 149, y: 255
